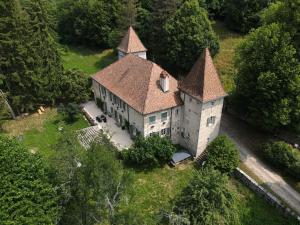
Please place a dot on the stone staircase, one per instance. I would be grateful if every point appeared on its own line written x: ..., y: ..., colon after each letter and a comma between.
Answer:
x: 87, y: 135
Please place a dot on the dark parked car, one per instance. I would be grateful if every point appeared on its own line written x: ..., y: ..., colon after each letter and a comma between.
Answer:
x: 99, y: 119
x: 103, y: 118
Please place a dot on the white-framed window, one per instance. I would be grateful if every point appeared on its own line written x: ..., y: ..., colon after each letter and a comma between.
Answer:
x: 152, y: 119
x: 164, y: 116
x: 124, y: 105
x: 110, y: 96
x: 211, y: 120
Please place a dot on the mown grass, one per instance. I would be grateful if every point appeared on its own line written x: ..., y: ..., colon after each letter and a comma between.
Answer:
x: 89, y: 61
x: 152, y: 191
x: 40, y: 132
x: 224, y: 60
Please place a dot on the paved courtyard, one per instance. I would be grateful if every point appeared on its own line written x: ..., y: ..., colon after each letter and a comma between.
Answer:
x: 120, y: 138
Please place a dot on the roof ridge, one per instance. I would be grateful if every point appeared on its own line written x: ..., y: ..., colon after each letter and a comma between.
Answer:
x: 148, y: 87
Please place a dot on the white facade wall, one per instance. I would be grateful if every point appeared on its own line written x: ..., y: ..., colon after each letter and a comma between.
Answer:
x: 140, y: 54
x: 158, y: 125
x: 190, y: 123
x: 136, y: 119
x: 187, y: 125
x: 96, y: 89
x: 176, y: 124
x: 208, y: 132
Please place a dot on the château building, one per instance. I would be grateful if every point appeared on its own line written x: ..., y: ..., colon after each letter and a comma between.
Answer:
x: 147, y: 100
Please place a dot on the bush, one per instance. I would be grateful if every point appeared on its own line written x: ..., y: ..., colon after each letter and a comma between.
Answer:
x: 149, y: 152
x: 283, y: 156
x: 222, y: 155
x: 69, y: 112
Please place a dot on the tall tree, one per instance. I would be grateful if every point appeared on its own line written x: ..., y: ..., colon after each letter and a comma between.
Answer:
x: 30, y: 65
x: 87, y: 22
x: 26, y: 195
x: 287, y: 13
x: 268, y: 79
x: 185, y: 43
x: 242, y: 15
x: 153, y: 33
x: 96, y: 186
x: 208, y: 200
x: 128, y: 12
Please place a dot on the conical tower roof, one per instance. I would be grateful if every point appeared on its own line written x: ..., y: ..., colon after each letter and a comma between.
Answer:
x: 131, y: 42
x: 202, y: 82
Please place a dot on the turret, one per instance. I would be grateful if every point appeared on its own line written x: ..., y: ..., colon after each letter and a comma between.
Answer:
x: 203, y: 95
x: 131, y: 44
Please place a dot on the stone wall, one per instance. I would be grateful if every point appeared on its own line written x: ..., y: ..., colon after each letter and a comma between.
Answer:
x: 269, y: 197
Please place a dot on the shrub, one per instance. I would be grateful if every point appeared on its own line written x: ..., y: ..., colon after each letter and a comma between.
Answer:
x: 283, y: 156
x: 222, y: 155
x: 149, y: 152
x: 69, y: 112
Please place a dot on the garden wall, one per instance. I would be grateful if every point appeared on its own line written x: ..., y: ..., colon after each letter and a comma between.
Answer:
x: 269, y: 197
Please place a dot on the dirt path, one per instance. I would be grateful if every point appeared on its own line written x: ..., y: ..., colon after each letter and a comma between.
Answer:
x: 247, y: 139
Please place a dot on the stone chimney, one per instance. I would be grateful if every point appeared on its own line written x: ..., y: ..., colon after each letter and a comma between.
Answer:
x: 164, y: 81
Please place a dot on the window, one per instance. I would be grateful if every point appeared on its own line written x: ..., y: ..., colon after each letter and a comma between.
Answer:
x: 164, y: 116
x: 211, y: 120
x: 152, y: 119
x: 111, y: 110
x: 115, y: 99
x: 124, y: 105
x: 110, y: 96
x: 153, y: 133
x: 176, y: 112
x: 191, y: 99
x: 213, y: 102
x: 165, y: 131
x: 103, y: 91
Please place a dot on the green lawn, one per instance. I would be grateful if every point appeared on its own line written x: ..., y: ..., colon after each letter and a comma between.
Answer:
x: 88, y: 60
x: 224, y: 60
x: 154, y: 190
x: 40, y: 132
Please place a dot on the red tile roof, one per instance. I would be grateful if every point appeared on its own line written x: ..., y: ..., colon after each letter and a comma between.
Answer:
x: 131, y: 42
x: 136, y: 82
x: 202, y: 82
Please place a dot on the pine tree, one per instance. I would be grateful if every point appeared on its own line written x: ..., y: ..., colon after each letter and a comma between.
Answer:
x: 30, y: 66
x: 48, y: 67
x: 13, y: 48
x: 155, y: 38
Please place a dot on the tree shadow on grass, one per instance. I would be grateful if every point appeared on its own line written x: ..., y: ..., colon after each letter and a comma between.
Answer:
x: 107, y: 57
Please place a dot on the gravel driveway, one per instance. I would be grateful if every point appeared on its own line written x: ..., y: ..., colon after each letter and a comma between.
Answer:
x: 246, y: 138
